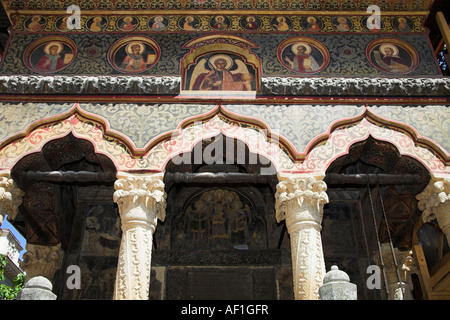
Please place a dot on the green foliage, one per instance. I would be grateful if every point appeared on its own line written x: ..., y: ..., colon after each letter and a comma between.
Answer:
x: 6, y: 292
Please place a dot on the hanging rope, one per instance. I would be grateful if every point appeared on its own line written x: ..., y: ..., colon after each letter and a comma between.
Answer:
x: 378, y: 241
x: 390, y: 242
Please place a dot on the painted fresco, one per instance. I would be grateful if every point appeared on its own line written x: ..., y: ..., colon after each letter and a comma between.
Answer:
x: 50, y: 54
x: 221, y: 71
x: 303, y: 55
x: 346, y: 54
x: 133, y: 54
x: 392, y: 55
x: 220, y: 23
x: 237, y: 5
x: 284, y: 44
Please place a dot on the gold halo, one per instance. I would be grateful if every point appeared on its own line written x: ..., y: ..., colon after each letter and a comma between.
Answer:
x: 295, y: 46
x: 311, y: 19
x: 391, y: 46
x: 51, y: 44
x: 128, y: 47
x: 228, y: 59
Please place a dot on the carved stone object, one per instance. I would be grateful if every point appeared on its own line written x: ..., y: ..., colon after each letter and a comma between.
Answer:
x: 142, y: 201
x: 337, y: 286
x: 399, y: 289
x: 434, y: 202
x: 10, y: 198
x: 299, y: 201
x: 42, y: 260
x: 37, y: 288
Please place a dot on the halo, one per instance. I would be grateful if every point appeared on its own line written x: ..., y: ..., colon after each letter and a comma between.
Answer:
x: 128, y: 47
x: 51, y: 44
x: 295, y: 45
x: 228, y: 59
x: 311, y: 19
x: 393, y: 47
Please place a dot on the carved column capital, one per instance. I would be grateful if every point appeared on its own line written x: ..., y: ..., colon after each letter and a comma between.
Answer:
x: 10, y: 197
x: 300, y: 199
x: 434, y: 202
x: 42, y: 260
x: 141, y: 198
x: 142, y: 201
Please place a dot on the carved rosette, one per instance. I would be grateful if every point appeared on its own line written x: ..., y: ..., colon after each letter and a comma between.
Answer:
x: 434, y: 202
x: 10, y: 198
x: 42, y: 260
x: 299, y: 201
x: 142, y: 201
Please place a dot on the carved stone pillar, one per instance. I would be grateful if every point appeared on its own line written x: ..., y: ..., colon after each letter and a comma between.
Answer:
x: 434, y: 202
x: 10, y: 197
x: 42, y: 260
x: 141, y: 201
x: 299, y: 201
x: 405, y: 269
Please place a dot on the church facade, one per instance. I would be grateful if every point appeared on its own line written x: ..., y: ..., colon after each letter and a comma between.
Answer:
x: 226, y: 149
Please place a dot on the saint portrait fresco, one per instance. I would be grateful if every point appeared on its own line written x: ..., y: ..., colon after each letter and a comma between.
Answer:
x: 392, y: 55
x: 220, y: 23
x: 189, y: 23
x: 281, y: 23
x: 127, y: 23
x: 303, y: 55
x: 134, y: 54
x: 250, y: 23
x: 97, y: 23
x: 158, y: 23
x: 342, y: 24
x: 312, y: 24
x: 50, y: 54
x: 35, y: 23
x: 61, y: 24
x: 402, y: 24
x: 220, y: 72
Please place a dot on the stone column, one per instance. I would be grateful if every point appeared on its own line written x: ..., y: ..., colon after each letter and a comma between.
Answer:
x: 299, y: 201
x: 405, y: 266
x: 10, y: 197
x: 434, y: 202
x: 141, y: 201
x: 40, y: 260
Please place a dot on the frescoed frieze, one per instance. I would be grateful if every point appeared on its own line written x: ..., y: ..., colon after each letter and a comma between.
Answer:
x: 235, y: 22
x: 346, y: 54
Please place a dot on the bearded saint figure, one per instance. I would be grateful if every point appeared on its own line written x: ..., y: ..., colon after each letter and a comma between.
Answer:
x: 303, y: 61
x: 134, y: 61
x: 391, y: 61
